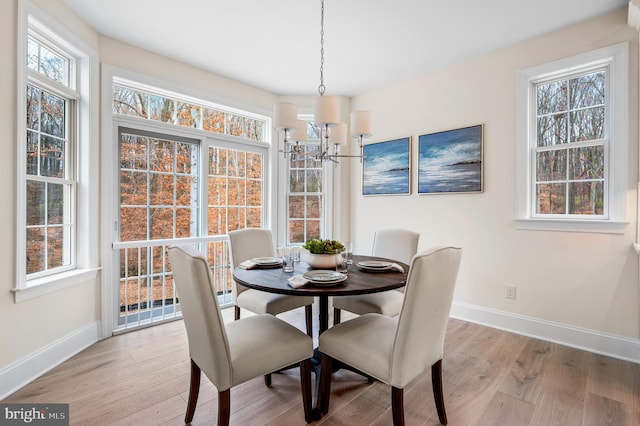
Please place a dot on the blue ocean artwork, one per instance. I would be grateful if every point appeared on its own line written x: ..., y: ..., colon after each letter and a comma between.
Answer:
x: 386, y: 167
x: 450, y: 161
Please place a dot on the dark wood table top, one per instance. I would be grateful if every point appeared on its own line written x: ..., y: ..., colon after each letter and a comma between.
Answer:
x: 359, y: 281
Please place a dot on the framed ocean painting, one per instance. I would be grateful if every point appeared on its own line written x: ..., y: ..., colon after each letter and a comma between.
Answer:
x: 451, y: 161
x: 386, y: 168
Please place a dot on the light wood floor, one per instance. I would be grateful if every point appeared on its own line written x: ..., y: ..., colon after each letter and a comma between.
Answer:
x: 491, y: 377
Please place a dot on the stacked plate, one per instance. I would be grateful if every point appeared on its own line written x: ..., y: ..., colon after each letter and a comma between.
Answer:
x: 374, y: 265
x: 267, y: 261
x: 322, y: 277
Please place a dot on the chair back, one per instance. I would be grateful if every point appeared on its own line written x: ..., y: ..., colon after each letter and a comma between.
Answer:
x: 208, y: 344
x: 395, y: 244
x: 247, y: 244
x: 422, y: 323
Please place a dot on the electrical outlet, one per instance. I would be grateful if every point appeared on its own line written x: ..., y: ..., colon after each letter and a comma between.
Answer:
x: 510, y: 292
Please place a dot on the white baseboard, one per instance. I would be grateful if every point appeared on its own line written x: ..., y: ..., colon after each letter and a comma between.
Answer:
x: 34, y: 365
x: 605, y: 344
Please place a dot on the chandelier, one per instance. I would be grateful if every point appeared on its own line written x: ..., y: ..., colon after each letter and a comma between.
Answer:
x: 326, y: 119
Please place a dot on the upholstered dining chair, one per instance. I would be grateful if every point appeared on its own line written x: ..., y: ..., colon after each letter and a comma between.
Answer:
x: 236, y: 352
x: 394, y: 244
x: 397, y: 350
x: 250, y: 243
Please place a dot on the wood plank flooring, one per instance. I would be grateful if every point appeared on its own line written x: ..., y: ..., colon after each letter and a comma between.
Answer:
x: 491, y: 377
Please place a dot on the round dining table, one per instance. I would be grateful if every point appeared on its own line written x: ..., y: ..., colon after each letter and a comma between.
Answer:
x: 359, y: 281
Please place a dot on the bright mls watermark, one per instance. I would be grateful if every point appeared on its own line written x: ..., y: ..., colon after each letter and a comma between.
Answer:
x: 34, y: 414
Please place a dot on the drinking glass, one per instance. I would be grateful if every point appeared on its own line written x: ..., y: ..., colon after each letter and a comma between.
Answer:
x: 348, y: 247
x: 342, y: 263
x: 284, y: 253
x: 295, y: 254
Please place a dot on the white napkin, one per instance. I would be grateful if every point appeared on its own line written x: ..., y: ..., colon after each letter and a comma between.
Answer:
x: 247, y: 264
x: 297, y: 281
x: 397, y: 267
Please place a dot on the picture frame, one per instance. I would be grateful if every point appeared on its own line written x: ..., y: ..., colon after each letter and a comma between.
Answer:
x: 386, y: 167
x: 451, y: 161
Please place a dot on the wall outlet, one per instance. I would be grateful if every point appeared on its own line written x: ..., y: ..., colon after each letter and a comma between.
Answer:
x: 510, y: 292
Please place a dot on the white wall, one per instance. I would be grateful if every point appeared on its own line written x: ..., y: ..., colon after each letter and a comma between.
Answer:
x: 580, y: 280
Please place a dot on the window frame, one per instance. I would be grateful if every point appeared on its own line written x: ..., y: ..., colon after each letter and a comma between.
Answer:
x: 615, y: 58
x: 83, y: 130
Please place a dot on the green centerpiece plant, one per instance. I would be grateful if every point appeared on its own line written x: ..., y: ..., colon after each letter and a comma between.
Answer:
x: 316, y: 246
x: 323, y: 254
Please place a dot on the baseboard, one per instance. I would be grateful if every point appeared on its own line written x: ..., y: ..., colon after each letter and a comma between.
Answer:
x: 605, y: 344
x: 34, y: 365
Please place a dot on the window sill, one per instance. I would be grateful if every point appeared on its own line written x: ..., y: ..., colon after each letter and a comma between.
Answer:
x: 558, y: 225
x: 50, y: 284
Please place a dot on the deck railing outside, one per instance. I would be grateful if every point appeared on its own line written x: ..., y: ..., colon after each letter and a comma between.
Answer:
x: 146, y: 291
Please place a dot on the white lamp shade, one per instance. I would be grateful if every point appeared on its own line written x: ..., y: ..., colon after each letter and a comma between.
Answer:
x: 338, y: 134
x: 327, y: 110
x: 285, y: 115
x: 361, y: 124
x: 301, y: 131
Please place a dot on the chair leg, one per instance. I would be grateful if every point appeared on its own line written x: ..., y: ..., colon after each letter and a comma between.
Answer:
x: 267, y: 379
x: 224, y: 407
x: 194, y: 390
x: 305, y: 384
x: 325, y: 383
x: 336, y: 316
x: 436, y: 382
x: 397, y: 406
x: 308, y: 317
x: 236, y: 312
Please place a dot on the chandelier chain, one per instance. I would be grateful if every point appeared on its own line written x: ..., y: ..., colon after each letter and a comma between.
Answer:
x: 321, y: 88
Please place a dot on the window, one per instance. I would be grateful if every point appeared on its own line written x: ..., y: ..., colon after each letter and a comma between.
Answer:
x: 305, y: 194
x: 236, y: 188
x: 189, y: 170
x: 572, y: 143
x: 50, y: 174
x: 158, y: 187
x: 57, y: 209
x: 130, y: 98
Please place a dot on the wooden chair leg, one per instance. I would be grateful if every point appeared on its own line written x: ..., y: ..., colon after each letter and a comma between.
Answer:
x: 194, y: 390
x: 305, y: 384
x: 438, y: 395
x: 236, y: 312
x: 224, y: 407
x: 325, y: 383
x: 336, y: 316
x: 267, y: 379
x: 397, y: 406
x: 308, y: 317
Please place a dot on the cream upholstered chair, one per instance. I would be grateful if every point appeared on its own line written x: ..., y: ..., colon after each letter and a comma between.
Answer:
x: 238, y: 352
x: 250, y: 243
x: 396, y: 350
x: 395, y: 244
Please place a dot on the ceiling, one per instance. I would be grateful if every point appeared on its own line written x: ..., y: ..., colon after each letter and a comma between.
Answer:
x: 275, y: 45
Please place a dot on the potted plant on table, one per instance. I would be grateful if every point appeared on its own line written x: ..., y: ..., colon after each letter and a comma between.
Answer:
x: 323, y: 254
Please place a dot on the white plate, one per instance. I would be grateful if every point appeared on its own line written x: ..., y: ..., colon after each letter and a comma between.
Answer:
x: 324, y: 277
x: 266, y: 261
x: 374, y: 264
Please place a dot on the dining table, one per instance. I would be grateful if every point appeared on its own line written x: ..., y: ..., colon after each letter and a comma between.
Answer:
x: 358, y: 281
